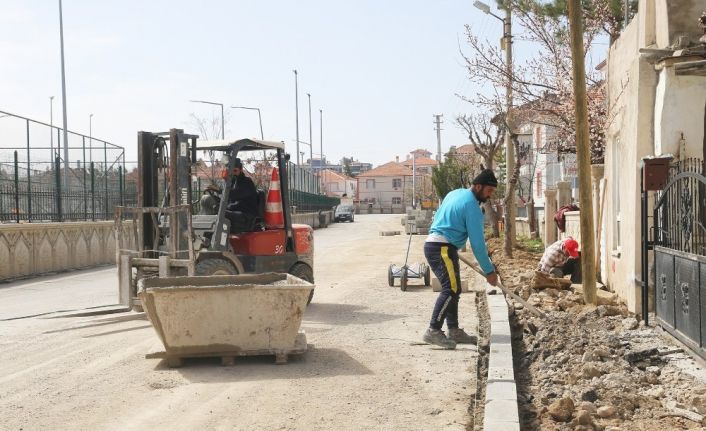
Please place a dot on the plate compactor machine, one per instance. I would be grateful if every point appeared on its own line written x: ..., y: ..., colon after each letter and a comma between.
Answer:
x: 162, y: 236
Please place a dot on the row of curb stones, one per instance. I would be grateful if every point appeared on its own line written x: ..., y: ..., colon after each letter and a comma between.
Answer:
x: 501, y: 410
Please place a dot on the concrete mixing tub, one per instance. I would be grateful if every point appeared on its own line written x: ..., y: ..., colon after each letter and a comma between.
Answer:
x: 227, y: 316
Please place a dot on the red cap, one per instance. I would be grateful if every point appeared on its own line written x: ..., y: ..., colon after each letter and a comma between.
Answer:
x: 571, y: 247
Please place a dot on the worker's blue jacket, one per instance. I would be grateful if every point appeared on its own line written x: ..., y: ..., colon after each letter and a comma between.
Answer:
x: 459, y: 218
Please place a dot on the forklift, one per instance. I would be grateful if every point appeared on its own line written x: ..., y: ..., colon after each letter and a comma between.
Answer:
x: 162, y: 236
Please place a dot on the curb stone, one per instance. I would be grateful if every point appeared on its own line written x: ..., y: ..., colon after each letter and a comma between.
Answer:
x: 501, y: 410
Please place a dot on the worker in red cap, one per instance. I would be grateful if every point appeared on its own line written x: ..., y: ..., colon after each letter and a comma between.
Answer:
x: 562, y: 258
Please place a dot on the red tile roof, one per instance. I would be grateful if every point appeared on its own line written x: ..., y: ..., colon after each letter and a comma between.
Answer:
x: 391, y: 169
x: 420, y: 162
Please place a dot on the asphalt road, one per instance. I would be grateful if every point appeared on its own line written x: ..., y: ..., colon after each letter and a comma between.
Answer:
x: 63, y: 368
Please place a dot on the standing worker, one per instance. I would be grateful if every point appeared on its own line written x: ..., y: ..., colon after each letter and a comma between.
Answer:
x: 458, y: 218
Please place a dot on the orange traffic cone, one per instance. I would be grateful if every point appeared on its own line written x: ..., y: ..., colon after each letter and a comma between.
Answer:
x: 274, y: 217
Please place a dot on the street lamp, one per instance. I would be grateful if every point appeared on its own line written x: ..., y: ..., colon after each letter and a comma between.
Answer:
x: 223, y: 136
x: 259, y: 116
x: 321, y: 138
x: 311, y: 140
x: 509, y: 149
x: 63, y: 98
x: 51, y: 124
x: 296, y: 102
x: 90, y: 137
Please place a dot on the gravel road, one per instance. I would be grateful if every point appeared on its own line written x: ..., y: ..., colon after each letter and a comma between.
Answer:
x: 64, y: 370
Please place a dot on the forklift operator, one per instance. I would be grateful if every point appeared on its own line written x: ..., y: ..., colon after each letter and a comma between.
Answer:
x: 242, y: 199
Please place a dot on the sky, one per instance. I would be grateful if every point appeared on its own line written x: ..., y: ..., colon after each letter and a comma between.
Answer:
x: 379, y: 70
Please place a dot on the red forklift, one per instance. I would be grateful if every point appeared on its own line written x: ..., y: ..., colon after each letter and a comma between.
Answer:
x: 163, y: 236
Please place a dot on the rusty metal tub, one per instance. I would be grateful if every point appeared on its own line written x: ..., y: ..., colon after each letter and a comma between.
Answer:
x: 227, y: 316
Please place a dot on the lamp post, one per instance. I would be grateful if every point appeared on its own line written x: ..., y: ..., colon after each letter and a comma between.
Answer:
x: 51, y: 124
x: 223, y: 129
x: 63, y: 98
x: 321, y: 138
x: 90, y: 138
x: 262, y: 135
x: 509, y: 149
x: 296, y: 103
x: 311, y: 139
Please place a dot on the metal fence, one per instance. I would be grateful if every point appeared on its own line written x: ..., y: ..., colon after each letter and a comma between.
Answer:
x: 36, y: 183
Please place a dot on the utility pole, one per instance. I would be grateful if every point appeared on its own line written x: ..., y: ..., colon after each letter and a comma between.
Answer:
x: 438, y: 136
x: 510, y: 211
x: 311, y: 140
x: 296, y: 102
x: 321, y: 137
x: 583, y: 154
x: 51, y: 128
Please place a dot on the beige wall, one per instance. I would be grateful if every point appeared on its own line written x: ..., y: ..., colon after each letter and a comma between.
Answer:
x: 39, y: 248
x: 384, y: 192
x: 650, y: 109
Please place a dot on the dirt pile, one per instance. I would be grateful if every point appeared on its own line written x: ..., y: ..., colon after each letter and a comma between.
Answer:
x: 594, y: 368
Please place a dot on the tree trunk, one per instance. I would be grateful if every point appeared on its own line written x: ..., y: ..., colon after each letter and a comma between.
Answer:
x: 507, y: 201
x: 532, y: 220
x: 493, y: 218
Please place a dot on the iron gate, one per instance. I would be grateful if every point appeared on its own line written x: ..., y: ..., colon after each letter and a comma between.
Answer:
x: 679, y: 244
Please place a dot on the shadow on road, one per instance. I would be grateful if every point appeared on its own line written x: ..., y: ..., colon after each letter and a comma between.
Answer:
x: 315, y: 363
x: 344, y: 314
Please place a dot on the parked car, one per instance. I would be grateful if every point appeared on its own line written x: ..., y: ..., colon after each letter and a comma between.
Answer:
x: 344, y: 213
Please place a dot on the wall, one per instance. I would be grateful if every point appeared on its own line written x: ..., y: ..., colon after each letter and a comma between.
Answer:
x: 384, y: 192
x: 572, y: 226
x: 37, y: 248
x: 312, y: 218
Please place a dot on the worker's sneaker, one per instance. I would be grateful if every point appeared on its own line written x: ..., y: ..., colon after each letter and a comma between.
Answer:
x: 438, y: 338
x: 460, y: 336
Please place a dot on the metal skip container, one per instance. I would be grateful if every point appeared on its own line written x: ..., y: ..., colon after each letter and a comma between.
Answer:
x: 227, y: 316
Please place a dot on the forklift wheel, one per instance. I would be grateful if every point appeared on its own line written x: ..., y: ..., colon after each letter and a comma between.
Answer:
x: 304, y: 272
x: 427, y: 277
x: 390, y: 276
x: 403, y: 280
x: 215, y: 267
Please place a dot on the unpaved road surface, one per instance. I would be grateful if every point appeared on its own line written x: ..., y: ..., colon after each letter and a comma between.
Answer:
x: 60, y: 370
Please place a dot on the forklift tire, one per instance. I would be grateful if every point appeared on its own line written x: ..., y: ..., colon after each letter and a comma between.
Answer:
x: 427, y: 277
x: 403, y: 280
x: 215, y: 267
x: 390, y: 276
x: 304, y: 272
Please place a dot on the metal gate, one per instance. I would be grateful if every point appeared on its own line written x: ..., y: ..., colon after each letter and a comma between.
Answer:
x: 679, y: 244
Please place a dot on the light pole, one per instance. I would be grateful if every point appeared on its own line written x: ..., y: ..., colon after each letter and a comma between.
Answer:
x: 311, y: 140
x: 259, y: 116
x: 262, y: 135
x: 63, y: 98
x: 321, y: 138
x: 90, y: 138
x: 509, y: 149
x: 296, y: 103
x: 51, y: 124
x: 223, y: 129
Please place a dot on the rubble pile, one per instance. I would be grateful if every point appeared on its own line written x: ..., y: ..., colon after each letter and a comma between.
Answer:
x: 595, y: 367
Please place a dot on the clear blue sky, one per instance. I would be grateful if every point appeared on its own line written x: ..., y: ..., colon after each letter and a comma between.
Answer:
x: 378, y: 69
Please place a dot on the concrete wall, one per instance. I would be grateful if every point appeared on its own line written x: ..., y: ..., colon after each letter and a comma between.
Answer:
x: 312, y: 218
x: 651, y: 109
x: 37, y: 248
x: 572, y: 226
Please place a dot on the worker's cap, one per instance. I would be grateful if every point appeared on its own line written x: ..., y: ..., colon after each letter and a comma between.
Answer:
x: 486, y: 178
x: 571, y: 247
x: 237, y: 163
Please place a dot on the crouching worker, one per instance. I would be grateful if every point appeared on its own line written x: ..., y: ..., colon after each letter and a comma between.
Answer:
x: 458, y: 218
x: 561, y: 259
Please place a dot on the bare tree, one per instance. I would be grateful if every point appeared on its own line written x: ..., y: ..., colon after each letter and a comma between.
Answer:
x: 487, y: 140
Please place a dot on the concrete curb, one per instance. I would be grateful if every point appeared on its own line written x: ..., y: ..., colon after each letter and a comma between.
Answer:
x: 501, y: 412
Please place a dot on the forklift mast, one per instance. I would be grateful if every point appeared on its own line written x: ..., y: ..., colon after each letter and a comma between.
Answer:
x: 167, y: 156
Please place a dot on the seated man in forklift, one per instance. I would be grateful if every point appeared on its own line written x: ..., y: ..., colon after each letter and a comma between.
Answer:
x: 242, y: 200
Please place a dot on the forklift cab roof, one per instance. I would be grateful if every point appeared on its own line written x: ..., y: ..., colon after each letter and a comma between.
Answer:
x: 229, y: 145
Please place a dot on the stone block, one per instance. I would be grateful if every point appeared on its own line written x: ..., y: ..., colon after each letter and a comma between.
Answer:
x: 501, y: 390
x: 503, y: 411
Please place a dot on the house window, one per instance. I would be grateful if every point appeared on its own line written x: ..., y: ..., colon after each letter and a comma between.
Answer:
x: 396, y: 183
x: 396, y: 200
x: 369, y: 184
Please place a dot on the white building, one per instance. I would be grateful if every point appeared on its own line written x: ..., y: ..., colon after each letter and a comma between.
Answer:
x: 387, y: 187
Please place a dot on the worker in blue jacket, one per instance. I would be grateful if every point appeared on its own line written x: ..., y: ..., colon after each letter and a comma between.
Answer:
x: 458, y: 218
